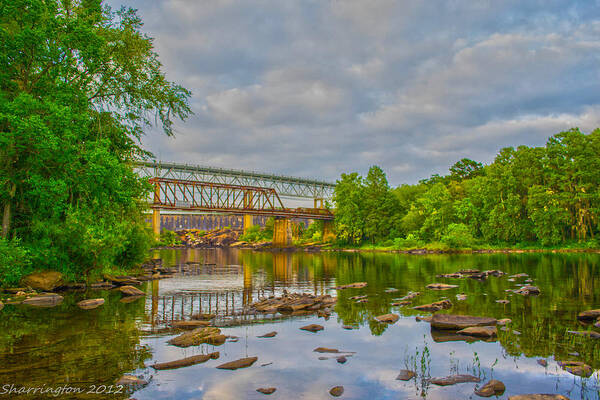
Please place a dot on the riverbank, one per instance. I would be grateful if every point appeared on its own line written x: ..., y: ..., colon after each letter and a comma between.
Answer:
x: 230, y: 238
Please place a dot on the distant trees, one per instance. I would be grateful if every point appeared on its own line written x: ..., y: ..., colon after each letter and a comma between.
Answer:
x: 548, y: 195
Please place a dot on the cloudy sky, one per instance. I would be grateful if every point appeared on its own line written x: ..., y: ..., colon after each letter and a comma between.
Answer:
x: 315, y: 88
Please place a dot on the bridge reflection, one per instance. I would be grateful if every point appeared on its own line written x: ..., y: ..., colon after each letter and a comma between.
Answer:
x: 225, y: 283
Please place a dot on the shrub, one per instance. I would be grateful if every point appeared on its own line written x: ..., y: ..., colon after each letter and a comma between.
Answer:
x: 411, y: 241
x: 14, y: 262
x: 168, y: 238
x: 458, y: 236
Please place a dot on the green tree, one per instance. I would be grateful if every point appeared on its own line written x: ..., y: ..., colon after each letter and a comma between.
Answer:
x: 349, y: 202
x: 79, y: 83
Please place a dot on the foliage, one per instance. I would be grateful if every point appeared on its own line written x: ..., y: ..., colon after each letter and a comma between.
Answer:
x: 14, y: 262
x: 79, y: 83
x: 168, y: 238
x: 546, y: 196
x: 255, y: 234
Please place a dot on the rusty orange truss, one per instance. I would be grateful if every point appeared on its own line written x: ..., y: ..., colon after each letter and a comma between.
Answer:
x: 176, y: 194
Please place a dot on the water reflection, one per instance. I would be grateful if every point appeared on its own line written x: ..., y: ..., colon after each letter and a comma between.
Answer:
x: 68, y: 345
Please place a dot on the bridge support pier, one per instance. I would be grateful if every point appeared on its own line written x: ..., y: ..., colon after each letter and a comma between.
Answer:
x: 248, y: 222
x: 328, y: 231
x: 156, y: 222
x: 282, y: 232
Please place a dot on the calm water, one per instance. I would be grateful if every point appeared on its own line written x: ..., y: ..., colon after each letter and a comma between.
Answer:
x: 68, y: 346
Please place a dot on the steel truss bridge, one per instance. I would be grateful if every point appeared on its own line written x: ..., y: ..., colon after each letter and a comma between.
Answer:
x: 284, y: 186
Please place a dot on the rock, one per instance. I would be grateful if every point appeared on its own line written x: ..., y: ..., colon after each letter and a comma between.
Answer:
x: 542, y: 362
x: 449, y: 321
x: 44, y: 300
x: 589, y: 315
x: 294, y: 303
x: 390, y: 290
x: 121, y: 280
x: 131, y: 380
x: 441, y: 286
x: 185, y: 362
x: 437, y: 306
x: 479, y: 331
x: 409, y: 296
x: 101, y: 285
x: 453, y: 379
x: 198, y: 336
x: 131, y: 291
x: 348, y: 327
x: 203, y: 316
x: 241, y: 363
x: 576, y: 368
x: 503, y: 301
x: 268, y: 335
x: 189, y: 324
x: 130, y: 299
x: 405, y: 375
x: 270, y: 390
x: 527, y: 290
x: 424, y: 319
x: 341, y: 359
x: 591, y: 334
x: 452, y: 275
x: 400, y: 303
x: 45, y: 280
x: 323, y: 358
x: 387, y: 318
x: 461, y: 296
x: 597, y: 324
x: 336, y: 391
x: 358, y: 297
x: 312, y: 328
x: 493, y: 387
x: 538, y: 397
x: 90, y: 304
x: 503, y: 321
x: 522, y: 275
x: 352, y: 285
x: 325, y: 350
x: 441, y: 336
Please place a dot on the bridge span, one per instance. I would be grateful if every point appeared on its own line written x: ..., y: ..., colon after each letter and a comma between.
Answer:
x: 209, y: 190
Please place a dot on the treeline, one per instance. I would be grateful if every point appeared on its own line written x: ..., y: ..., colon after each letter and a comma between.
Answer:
x: 529, y: 196
x: 78, y: 85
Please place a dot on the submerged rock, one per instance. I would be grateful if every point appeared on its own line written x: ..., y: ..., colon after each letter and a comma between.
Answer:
x: 294, y: 303
x: 312, y: 328
x: 589, y: 315
x: 128, y: 290
x: 405, y: 375
x: 461, y: 297
x: 352, y: 285
x: 209, y: 335
x: 424, y: 319
x: 409, y: 296
x: 189, y: 324
x: 241, y: 363
x: 341, y: 359
x: 503, y: 321
x: 387, y: 318
x: 131, y: 380
x: 456, y: 322
x: 437, y: 306
x: 44, y: 280
x: 576, y: 368
x: 270, y: 390
x: 441, y: 286
x: 325, y: 350
x: 591, y: 334
x: 528, y: 290
x: 336, y: 391
x: 268, y: 335
x: 479, y: 331
x: 493, y: 387
x: 44, y: 300
x: 186, y: 362
x: 503, y: 301
x: 454, y: 379
x: 90, y: 304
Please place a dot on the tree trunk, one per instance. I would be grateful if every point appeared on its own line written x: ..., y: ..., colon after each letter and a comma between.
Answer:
x: 6, y: 220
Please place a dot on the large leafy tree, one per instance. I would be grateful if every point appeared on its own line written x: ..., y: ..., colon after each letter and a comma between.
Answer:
x: 79, y: 84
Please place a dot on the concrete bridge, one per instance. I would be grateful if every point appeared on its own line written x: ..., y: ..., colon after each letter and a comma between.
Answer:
x: 196, y: 189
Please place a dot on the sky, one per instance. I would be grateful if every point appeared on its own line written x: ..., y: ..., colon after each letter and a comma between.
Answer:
x: 316, y: 88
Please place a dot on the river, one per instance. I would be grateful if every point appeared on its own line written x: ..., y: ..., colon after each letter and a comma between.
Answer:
x: 92, y: 349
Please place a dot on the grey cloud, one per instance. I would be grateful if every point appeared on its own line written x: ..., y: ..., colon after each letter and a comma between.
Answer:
x: 317, y: 88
